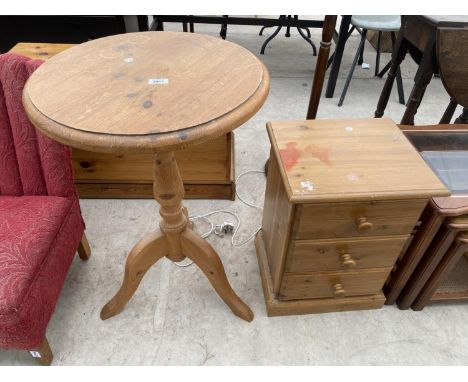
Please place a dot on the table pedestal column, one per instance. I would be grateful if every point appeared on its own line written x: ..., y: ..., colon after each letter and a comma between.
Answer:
x: 174, y: 240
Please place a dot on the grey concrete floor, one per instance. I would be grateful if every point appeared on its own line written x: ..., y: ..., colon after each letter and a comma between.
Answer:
x: 175, y: 318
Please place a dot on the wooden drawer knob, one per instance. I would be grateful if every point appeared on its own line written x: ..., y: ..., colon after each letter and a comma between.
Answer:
x: 363, y: 225
x: 338, y: 291
x: 347, y: 261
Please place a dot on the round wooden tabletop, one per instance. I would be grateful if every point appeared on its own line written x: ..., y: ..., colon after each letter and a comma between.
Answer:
x: 145, y: 92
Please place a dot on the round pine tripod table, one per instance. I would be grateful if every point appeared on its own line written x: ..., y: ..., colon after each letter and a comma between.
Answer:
x: 151, y: 92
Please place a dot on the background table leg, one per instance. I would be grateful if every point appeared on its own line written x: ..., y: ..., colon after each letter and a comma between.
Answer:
x: 422, y: 79
x: 398, y: 54
x: 321, y: 65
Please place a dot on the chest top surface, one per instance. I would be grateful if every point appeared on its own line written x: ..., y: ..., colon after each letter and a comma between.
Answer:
x: 144, y: 91
x: 349, y: 160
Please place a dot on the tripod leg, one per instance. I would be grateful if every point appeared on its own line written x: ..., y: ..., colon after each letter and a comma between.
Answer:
x: 206, y: 258
x: 141, y: 258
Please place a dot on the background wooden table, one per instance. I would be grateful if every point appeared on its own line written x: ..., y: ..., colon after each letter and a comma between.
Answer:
x: 440, y: 44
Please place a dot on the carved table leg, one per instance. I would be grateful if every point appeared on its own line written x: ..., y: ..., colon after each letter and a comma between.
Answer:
x: 202, y: 254
x: 448, y: 114
x: 321, y: 65
x: 463, y: 118
x: 421, y: 80
x: 175, y: 240
x: 141, y: 258
x: 398, y: 54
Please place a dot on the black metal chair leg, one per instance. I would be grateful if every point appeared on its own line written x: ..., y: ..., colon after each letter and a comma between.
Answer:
x: 314, y: 48
x: 288, y: 27
x: 377, y: 57
x: 307, y: 32
x: 385, y: 69
x: 361, y: 55
x: 296, y: 17
x: 262, y: 51
x: 261, y: 30
x: 399, y: 81
x: 332, y: 56
x: 353, y: 66
x: 223, y: 31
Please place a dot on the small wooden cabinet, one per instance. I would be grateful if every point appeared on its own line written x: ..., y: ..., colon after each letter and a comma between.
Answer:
x: 342, y: 199
x: 207, y: 169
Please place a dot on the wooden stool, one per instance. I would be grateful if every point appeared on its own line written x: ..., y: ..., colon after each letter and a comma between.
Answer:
x: 151, y: 92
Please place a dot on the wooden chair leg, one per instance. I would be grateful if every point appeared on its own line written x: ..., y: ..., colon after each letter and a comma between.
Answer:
x: 401, y: 94
x: 83, y: 249
x: 448, y: 114
x: 43, y: 354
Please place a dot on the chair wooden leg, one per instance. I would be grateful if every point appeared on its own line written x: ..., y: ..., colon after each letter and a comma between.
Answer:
x: 401, y: 94
x: 83, y: 249
x: 43, y: 354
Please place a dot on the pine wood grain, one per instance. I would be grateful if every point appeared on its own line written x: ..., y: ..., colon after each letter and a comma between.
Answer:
x: 277, y: 220
x: 328, y: 245
x: 207, y: 163
x: 275, y: 307
x: 344, y: 254
x: 104, y: 100
x: 39, y: 51
x: 314, y: 285
x: 145, y: 191
x: 350, y: 159
x: 100, y: 175
x: 326, y: 220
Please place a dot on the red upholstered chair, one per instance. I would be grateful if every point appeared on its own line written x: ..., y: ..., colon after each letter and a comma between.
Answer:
x: 41, y: 226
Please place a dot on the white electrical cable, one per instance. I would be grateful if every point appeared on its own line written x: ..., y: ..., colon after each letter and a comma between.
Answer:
x: 216, y: 229
x: 237, y: 193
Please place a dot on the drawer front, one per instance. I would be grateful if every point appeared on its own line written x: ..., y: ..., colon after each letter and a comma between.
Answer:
x: 336, y: 255
x: 343, y: 220
x: 298, y: 286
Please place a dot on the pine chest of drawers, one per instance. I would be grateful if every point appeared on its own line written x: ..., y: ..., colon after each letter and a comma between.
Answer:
x: 342, y: 199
